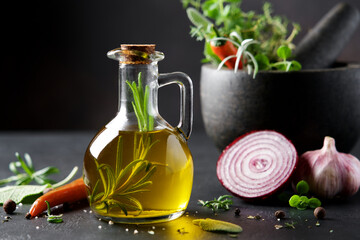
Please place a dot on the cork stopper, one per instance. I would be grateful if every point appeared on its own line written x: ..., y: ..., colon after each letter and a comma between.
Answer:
x: 137, y: 53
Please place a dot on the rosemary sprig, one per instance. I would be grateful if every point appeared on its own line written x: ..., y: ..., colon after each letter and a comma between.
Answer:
x: 131, y: 179
x: 28, y: 173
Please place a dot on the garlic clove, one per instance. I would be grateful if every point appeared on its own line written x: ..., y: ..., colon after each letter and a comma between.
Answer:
x: 328, y: 172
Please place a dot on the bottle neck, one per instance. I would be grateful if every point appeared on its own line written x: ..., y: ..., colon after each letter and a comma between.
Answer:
x: 138, y: 93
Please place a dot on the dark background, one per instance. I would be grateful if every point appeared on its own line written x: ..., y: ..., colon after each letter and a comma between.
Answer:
x: 55, y: 73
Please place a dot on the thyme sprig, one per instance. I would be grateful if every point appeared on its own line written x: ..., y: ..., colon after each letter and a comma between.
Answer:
x: 222, y: 202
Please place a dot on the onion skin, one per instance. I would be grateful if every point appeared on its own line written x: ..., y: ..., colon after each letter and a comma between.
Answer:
x: 257, y: 165
x: 328, y: 172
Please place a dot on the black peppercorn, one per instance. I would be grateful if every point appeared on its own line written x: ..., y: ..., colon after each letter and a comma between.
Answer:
x: 9, y: 206
x: 319, y: 212
x: 237, y: 212
x: 279, y: 214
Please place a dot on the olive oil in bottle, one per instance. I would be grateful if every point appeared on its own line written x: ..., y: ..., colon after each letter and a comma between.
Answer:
x: 138, y: 168
x: 153, y: 185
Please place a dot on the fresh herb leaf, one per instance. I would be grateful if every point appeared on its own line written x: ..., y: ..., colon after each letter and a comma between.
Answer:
x: 263, y: 61
x: 295, y: 66
x: 18, y: 193
x: 302, y: 187
x: 303, y: 203
x: 53, y: 218
x: 213, y: 225
x: 222, y: 202
x: 28, y: 173
x: 314, y: 202
x: 294, y: 200
x: 284, y: 52
x: 202, y: 24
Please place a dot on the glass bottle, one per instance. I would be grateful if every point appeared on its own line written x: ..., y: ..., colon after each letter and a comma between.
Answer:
x: 138, y: 168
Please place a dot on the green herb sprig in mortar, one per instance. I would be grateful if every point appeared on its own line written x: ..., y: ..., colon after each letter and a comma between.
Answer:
x: 224, y: 25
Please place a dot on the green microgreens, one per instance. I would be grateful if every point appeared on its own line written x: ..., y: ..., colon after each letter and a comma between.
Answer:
x: 53, y: 218
x: 303, y: 202
x: 222, y: 202
x: 28, y: 173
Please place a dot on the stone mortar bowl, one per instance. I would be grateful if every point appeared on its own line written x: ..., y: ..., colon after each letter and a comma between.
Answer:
x: 304, y: 106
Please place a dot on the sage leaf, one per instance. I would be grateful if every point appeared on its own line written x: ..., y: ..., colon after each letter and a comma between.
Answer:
x: 22, y: 193
x: 213, y: 225
x: 197, y: 18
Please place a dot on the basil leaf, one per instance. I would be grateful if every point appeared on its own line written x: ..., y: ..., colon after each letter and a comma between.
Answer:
x: 20, y: 193
x: 314, y: 202
x: 263, y: 61
x: 302, y: 187
x: 284, y: 52
x: 294, y: 201
x: 295, y: 66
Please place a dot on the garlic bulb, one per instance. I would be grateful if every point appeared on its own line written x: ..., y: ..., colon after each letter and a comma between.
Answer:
x: 328, y: 172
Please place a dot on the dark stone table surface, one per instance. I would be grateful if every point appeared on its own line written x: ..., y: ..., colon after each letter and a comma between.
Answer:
x: 65, y: 150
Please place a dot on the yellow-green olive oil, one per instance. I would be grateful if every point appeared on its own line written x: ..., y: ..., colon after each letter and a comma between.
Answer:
x: 156, y: 186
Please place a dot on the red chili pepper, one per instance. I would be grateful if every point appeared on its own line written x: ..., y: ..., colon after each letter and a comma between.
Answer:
x: 225, y: 50
x: 70, y: 192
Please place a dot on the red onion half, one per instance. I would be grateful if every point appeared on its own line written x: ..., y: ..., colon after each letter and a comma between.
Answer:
x: 257, y: 164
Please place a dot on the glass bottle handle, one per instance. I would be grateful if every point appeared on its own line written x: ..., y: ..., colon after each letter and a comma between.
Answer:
x: 186, y: 99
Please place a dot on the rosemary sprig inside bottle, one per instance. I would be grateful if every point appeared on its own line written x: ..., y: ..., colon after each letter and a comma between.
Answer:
x: 120, y: 184
x: 140, y: 105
